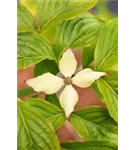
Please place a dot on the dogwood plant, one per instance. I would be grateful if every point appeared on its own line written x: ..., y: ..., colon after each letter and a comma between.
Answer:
x: 48, y: 32
x: 51, y: 84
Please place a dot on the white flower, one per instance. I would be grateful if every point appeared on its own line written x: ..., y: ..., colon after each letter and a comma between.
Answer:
x: 50, y: 83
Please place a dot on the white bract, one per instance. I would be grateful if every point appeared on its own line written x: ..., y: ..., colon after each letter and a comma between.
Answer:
x: 50, y: 83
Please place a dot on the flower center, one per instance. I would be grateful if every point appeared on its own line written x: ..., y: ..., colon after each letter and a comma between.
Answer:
x: 68, y: 80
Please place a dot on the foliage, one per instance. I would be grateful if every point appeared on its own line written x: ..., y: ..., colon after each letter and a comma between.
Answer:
x: 45, y: 30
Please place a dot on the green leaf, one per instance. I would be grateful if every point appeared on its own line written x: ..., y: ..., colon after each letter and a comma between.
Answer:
x: 34, y: 131
x: 50, y: 33
x: 106, y: 60
x: 106, y: 52
x: 25, y: 20
x: 97, y: 91
x: 35, y: 96
x: 82, y: 31
x: 103, y: 11
x: 51, y: 12
x: 24, y: 92
x: 53, y: 99
x: 53, y: 113
x: 46, y: 66
x: 33, y: 48
x: 109, y: 88
x: 94, y: 123
x: 88, y: 145
x: 87, y: 56
x: 31, y: 5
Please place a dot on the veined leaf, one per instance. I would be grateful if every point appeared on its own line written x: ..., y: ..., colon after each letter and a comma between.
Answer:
x: 34, y: 131
x: 106, y: 52
x: 33, y: 48
x: 97, y: 91
x: 24, y: 92
x: 94, y: 123
x: 50, y: 12
x: 50, y: 33
x: 46, y: 66
x: 53, y: 99
x: 82, y: 31
x: 53, y: 113
x: 31, y: 5
x: 25, y: 20
x: 87, y: 56
x: 109, y: 89
x: 106, y: 60
x: 103, y: 11
x: 88, y: 145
